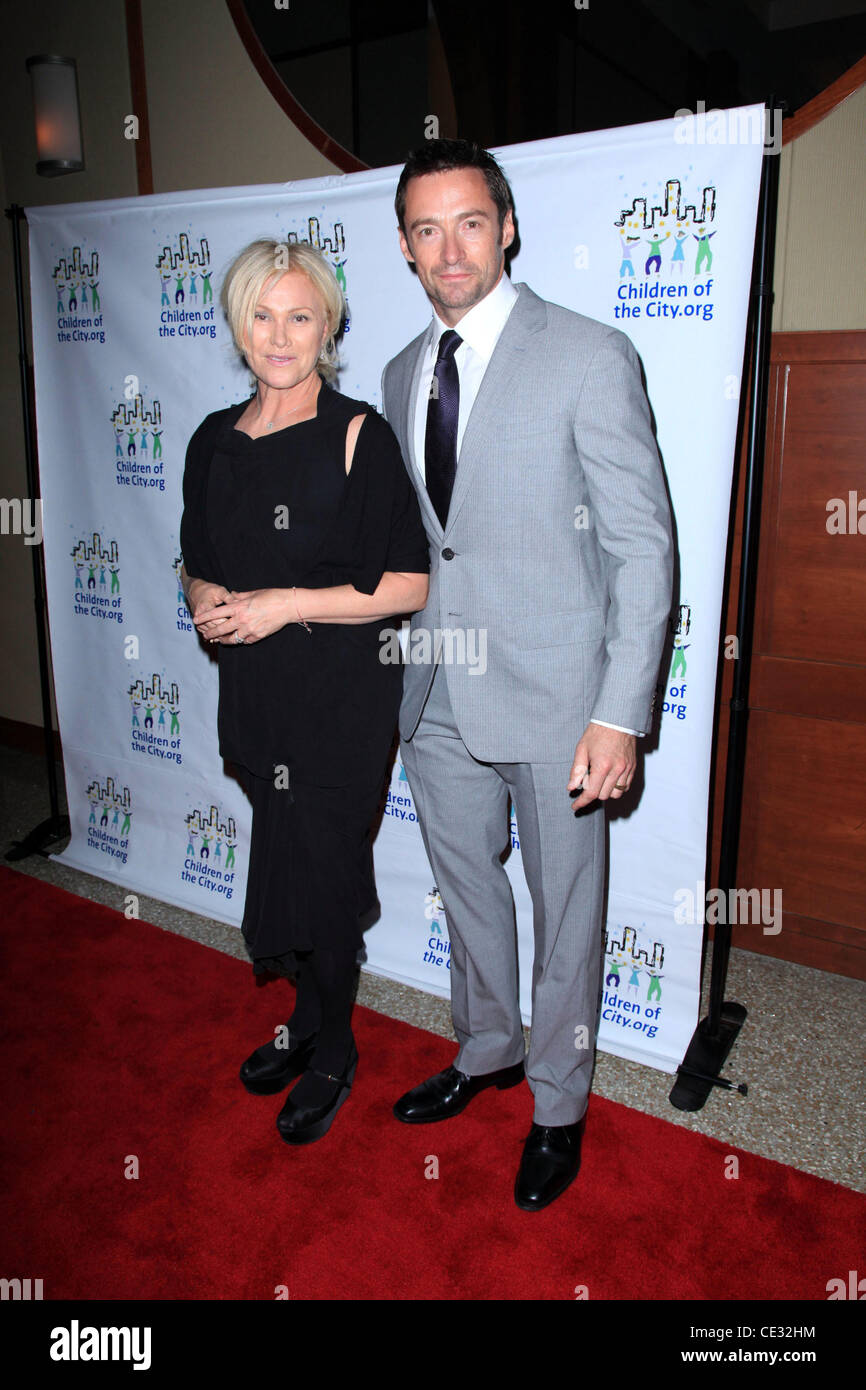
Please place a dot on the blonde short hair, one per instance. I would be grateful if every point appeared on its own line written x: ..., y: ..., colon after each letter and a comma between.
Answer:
x: 266, y: 260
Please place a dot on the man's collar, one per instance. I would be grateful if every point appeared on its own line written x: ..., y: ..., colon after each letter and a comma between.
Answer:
x: 484, y: 322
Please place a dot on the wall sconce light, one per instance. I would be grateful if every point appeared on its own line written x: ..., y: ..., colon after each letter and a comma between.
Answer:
x: 58, y: 124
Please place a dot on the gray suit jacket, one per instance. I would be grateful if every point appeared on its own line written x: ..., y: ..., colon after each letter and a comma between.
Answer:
x: 557, y: 554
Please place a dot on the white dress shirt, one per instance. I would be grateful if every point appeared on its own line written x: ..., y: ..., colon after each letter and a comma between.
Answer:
x: 479, y: 329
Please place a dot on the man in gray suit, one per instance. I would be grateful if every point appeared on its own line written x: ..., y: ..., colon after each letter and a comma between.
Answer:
x: 526, y: 432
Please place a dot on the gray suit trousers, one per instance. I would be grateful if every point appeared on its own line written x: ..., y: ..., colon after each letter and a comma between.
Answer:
x: 462, y: 809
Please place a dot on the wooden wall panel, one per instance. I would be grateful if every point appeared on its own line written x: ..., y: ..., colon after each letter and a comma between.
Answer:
x: 804, y: 792
x: 811, y: 607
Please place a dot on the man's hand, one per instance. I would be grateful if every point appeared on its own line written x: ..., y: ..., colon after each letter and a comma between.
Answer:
x: 253, y: 613
x: 604, y: 765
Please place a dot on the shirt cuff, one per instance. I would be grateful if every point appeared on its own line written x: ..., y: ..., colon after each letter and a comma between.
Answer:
x: 637, y: 732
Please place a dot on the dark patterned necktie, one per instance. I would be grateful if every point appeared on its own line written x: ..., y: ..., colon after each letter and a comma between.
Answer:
x: 440, y: 444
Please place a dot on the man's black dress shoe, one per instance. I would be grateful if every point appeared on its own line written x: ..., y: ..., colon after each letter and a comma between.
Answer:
x: 303, y: 1124
x: 270, y: 1068
x: 449, y: 1092
x: 551, y: 1160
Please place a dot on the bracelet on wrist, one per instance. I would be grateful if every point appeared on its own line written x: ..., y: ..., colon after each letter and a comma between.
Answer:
x: 298, y: 611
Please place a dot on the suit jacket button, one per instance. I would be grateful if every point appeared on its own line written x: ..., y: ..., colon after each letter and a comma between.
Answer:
x: 447, y: 553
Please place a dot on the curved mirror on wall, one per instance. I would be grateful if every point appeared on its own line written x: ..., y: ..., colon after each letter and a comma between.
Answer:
x: 374, y: 77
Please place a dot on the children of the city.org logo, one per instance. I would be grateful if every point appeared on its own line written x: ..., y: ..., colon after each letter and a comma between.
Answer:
x: 110, y: 819
x: 632, y: 981
x: 434, y: 909
x: 96, y: 591
x: 666, y: 255
x: 332, y: 245
x: 675, y: 703
x: 398, y: 801
x: 183, y: 617
x: 155, y: 730
x: 79, y: 306
x: 138, y: 429
x: 186, y: 307
x: 437, y: 947
x: 211, y: 842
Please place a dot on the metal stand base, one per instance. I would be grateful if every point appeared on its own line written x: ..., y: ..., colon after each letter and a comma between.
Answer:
x: 42, y: 838
x: 704, y: 1059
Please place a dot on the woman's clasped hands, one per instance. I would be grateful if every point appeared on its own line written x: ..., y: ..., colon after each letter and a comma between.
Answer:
x: 229, y: 616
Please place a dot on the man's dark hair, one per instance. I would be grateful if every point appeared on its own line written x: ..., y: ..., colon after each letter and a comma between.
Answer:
x: 440, y: 157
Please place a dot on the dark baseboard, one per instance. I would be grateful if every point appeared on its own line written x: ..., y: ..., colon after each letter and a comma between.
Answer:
x: 28, y: 737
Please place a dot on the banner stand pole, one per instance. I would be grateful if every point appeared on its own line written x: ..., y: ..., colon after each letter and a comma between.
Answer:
x: 43, y: 837
x: 715, y: 1035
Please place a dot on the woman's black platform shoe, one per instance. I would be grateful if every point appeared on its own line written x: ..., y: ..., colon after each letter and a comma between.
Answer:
x: 270, y: 1068
x: 303, y: 1125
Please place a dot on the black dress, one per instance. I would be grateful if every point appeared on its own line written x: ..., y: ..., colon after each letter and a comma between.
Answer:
x: 274, y: 512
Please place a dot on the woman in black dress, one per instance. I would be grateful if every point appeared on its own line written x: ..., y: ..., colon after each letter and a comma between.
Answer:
x: 300, y: 534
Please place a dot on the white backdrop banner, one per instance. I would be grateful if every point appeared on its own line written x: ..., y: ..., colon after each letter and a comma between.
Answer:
x: 649, y: 228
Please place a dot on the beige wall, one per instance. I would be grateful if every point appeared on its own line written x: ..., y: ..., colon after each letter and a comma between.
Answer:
x: 213, y: 123
x: 93, y: 32
x: 20, y: 696
x: 820, y: 282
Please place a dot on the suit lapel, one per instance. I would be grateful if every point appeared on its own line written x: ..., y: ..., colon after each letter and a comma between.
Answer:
x: 431, y: 520
x: 497, y: 385
x: 414, y: 382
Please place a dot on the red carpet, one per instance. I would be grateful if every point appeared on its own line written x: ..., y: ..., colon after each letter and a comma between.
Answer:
x: 122, y: 1039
